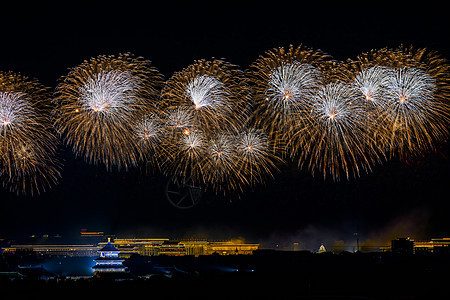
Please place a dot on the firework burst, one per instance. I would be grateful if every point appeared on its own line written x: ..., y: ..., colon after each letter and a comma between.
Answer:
x: 200, y: 103
x: 336, y: 135
x: 28, y: 162
x: 413, y: 117
x: 284, y: 82
x: 408, y: 111
x: 149, y: 133
x: 98, y: 103
x: 211, y: 94
x: 369, y: 84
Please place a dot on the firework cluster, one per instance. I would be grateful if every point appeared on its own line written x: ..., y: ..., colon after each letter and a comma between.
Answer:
x: 340, y: 118
x: 225, y: 128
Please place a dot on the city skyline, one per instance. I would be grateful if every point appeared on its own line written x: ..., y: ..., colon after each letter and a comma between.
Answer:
x: 398, y: 198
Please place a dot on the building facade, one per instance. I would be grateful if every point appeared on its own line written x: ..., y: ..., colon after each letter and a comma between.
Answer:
x: 439, y: 245
x: 55, y: 250
x: 109, y: 260
x: 155, y: 247
x: 143, y: 247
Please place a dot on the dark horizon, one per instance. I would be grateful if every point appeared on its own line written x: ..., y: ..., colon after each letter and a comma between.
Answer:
x: 396, y: 199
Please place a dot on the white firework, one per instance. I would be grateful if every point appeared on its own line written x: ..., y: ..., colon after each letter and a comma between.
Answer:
x: 15, y: 111
x: 207, y: 91
x: 291, y: 84
x: 107, y: 92
x: 371, y: 84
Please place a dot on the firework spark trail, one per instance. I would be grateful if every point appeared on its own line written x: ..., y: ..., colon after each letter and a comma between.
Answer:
x: 28, y: 162
x: 186, y: 153
x: 98, y: 103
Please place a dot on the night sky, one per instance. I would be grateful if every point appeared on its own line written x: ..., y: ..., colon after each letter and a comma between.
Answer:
x: 396, y: 199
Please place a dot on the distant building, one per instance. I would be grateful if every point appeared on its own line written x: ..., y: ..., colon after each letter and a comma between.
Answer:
x: 54, y: 250
x: 91, y: 234
x: 109, y: 260
x: 322, y: 249
x: 144, y: 247
x: 402, y: 246
x: 438, y: 246
x: 155, y: 247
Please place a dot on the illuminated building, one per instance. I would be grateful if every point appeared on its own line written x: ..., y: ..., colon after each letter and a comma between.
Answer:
x: 322, y: 249
x: 55, y: 250
x: 91, y: 234
x: 403, y: 246
x: 155, y: 247
x: 230, y: 248
x: 441, y: 245
x: 143, y: 247
x: 108, y: 260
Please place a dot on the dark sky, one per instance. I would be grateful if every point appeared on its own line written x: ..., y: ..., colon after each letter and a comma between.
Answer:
x: 43, y: 40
